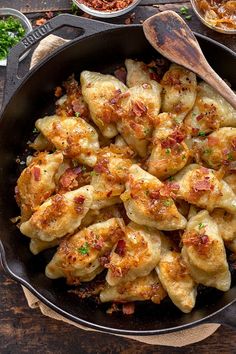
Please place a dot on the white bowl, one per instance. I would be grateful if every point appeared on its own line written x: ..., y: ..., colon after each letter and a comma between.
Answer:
x: 106, y: 14
x: 25, y: 23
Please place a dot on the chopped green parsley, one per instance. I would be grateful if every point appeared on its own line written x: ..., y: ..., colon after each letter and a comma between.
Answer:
x: 168, y: 151
x: 201, y: 133
x: 201, y: 225
x: 184, y: 10
x: 230, y: 156
x: 207, y: 151
x: 83, y: 249
x: 188, y: 17
x: 11, y: 32
x: 167, y: 202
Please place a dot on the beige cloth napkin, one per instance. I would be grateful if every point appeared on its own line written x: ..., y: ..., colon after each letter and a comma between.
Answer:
x: 176, y: 339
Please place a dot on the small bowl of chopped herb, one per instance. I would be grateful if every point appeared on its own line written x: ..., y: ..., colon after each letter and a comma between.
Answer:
x: 13, y: 27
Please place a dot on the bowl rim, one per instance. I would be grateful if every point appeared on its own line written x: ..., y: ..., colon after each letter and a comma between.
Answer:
x: 106, y: 14
x: 7, y: 11
x: 215, y: 28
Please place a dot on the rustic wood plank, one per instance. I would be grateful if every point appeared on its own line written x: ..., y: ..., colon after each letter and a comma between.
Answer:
x: 24, y: 330
x: 37, y: 5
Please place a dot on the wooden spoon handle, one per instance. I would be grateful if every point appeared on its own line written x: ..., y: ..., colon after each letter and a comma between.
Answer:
x: 169, y: 34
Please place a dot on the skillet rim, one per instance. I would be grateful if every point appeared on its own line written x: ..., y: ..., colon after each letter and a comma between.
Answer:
x: 27, y: 284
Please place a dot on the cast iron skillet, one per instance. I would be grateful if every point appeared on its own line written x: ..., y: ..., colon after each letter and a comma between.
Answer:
x: 101, y: 47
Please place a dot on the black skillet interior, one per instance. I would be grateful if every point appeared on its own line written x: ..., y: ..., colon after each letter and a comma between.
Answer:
x: 34, y: 99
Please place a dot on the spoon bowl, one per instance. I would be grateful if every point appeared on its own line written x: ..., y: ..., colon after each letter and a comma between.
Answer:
x: 169, y: 35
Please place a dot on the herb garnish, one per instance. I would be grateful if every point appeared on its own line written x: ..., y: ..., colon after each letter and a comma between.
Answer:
x: 201, y: 133
x: 230, y: 156
x: 11, y: 32
x: 84, y: 249
x: 167, y: 202
x: 168, y: 151
x: 201, y: 225
x: 184, y: 10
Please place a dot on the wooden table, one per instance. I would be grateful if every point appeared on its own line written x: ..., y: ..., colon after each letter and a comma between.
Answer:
x: 23, y: 330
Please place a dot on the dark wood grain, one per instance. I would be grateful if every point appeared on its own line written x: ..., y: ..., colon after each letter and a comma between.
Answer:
x: 23, y: 330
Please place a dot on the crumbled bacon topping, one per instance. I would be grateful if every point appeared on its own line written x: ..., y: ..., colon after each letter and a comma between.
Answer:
x: 102, y: 166
x: 154, y: 194
x: 199, y: 117
x: 199, y: 241
x: 79, y: 201
x: 139, y: 108
x: 68, y: 179
x: 175, y: 138
x: 58, y: 91
x: 36, y: 173
x: 105, y: 259
x: 203, y: 185
x: 120, y: 248
x: 121, y: 74
x: 233, y: 144
x: 116, y: 97
x: 128, y: 308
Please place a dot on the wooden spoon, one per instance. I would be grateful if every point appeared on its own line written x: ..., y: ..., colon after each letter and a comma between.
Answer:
x: 169, y: 34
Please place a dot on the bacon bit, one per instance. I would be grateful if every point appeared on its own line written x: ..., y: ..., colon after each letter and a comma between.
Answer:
x: 69, y: 176
x: 199, y: 117
x: 131, y: 18
x: 102, y: 166
x: 174, y: 186
x: 109, y: 194
x: 175, y: 138
x: 154, y: 76
x: 233, y: 143
x: 36, y: 173
x: 77, y: 105
x: 116, y: 97
x: 146, y: 86
x: 49, y: 14
x: 178, y: 136
x: 107, y: 116
x: 121, y: 74
x: 58, y: 91
x: 79, y: 200
x: 105, y: 260
x: 195, y: 131
x: 40, y: 21
x: 167, y: 143
x: 139, y: 108
x: 97, y: 244
x: 120, y: 248
x: 212, y: 141
x: 200, y: 241
x: 154, y: 194
x: 128, y: 308
x: 203, y: 185
x: 114, y: 308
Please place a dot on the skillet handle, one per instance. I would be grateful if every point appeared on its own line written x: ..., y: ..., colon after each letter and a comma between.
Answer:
x: 87, y: 27
x: 226, y: 316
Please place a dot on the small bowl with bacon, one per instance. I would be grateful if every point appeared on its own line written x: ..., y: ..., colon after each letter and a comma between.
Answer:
x: 106, y: 8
